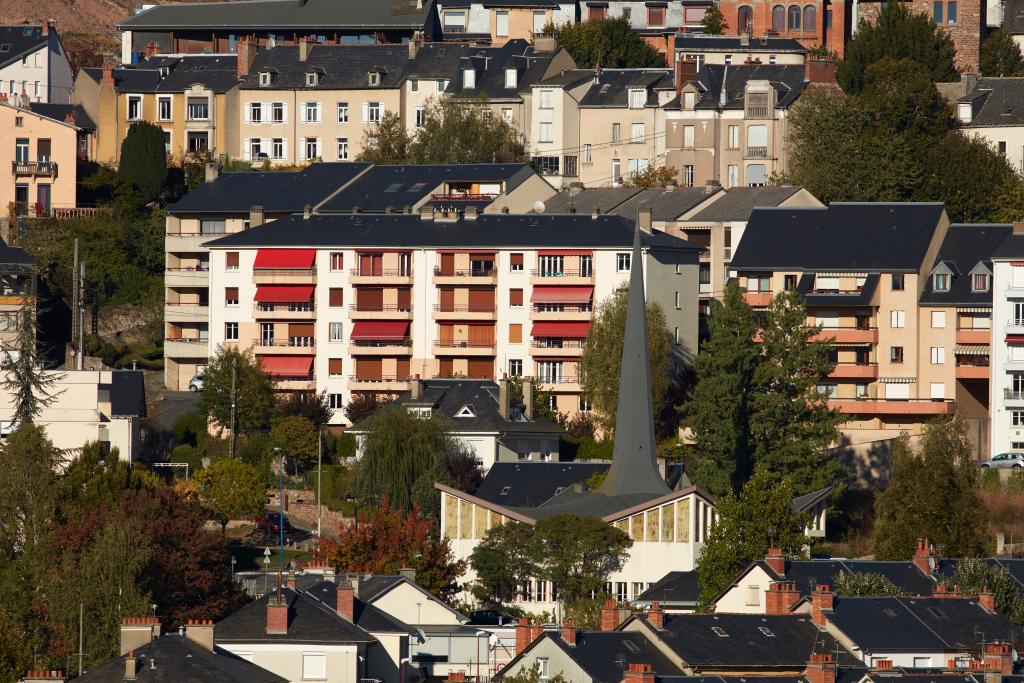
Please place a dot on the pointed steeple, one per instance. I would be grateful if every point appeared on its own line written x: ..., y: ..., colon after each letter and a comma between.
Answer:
x: 634, y: 467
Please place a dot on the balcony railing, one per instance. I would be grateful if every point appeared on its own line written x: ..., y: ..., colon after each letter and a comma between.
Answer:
x: 283, y: 271
x: 563, y: 308
x: 379, y: 309
x: 34, y: 168
x: 465, y: 309
x: 401, y: 272
x: 473, y: 272
x: 550, y: 343
x: 186, y: 340
x: 380, y: 379
x: 293, y: 342
x: 1013, y: 395
x: 463, y: 344
x: 462, y: 197
x: 380, y: 343
x: 547, y: 272
x: 282, y: 307
x: 759, y: 112
x: 557, y: 379
x: 192, y: 269
x: 757, y: 152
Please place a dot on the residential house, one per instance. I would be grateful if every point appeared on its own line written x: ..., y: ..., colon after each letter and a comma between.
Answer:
x: 33, y: 64
x: 499, y: 21
x: 44, y: 155
x: 963, y: 22
x: 490, y: 424
x: 218, y: 26
x: 990, y: 109
x: 660, y: 24
x: 362, y: 303
x: 192, y: 98
x: 18, y: 285
x: 701, y: 49
x: 308, y: 102
x: 677, y: 592
x: 1006, y: 380
x: 814, y: 23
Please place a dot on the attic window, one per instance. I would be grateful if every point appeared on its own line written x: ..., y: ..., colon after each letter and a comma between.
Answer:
x: 940, y: 282
x: 264, y: 78
x: 889, y: 613
x: 766, y: 632
x: 965, y: 112
x: 937, y: 613
x: 312, y: 79
x: 416, y: 187
x: 511, y: 78
x: 505, y: 490
x: 980, y: 282
x: 374, y: 78
x: 637, y: 98
x: 6, y: 47
x: 559, y: 490
x: 630, y: 645
x: 465, y: 411
x: 394, y: 187
x: 719, y: 631
x: 468, y: 79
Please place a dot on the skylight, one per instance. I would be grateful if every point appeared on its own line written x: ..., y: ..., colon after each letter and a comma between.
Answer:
x: 767, y: 632
x: 394, y: 187
x: 416, y: 187
x: 889, y: 613
x: 719, y: 631
x: 631, y: 646
x: 505, y: 490
x: 6, y: 47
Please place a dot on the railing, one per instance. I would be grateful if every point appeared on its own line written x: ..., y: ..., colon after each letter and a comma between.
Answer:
x: 759, y: 112
x: 68, y: 213
x: 545, y: 272
x: 1009, y: 324
x: 558, y: 343
x: 292, y: 342
x: 460, y: 344
x: 1012, y: 395
x: 282, y: 307
x: 465, y: 309
x: 34, y: 168
x: 381, y: 379
x: 563, y: 308
x: 293, y: 378
x: 379, y: 309
x: 379, y: 343
x: 462, y: 196
x: 560, y: 379
x: 489, y: 272
x: 981, y: 362
x: 186, y: 340
x: 194, y: 269
x: 401, y: 272
x: 187, y: 303
x: 198, y: 233
x: 757, y: 152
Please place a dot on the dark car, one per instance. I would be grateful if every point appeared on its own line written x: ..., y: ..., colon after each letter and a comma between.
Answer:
x: 271, y: 523
x: 490, y: 617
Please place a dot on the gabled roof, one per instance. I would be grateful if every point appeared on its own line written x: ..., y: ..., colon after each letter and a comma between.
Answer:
x: 997, y: 102
x: 808, y: 500
x: 530, y: 484
x: 309, y: 621
x: 737, y: 203
x: 19, y: 40
x: 367, y: 617
x: 604, y: 655
x: 339, y: 66
x: 215, y: 72
x: 172, y: 659
x: 786, y: 79
x: 59, y: 112
x: 674, y: 589
x: 666, y: 204
x: 697, y: 42
x: 868, y: 236
x: 373, y: 587
x: 612, y: 86
x: 14, y: 256
x: 964, y: 248
x: 448, y: 60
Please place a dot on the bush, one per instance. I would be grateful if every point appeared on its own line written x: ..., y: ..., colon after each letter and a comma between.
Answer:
x: 990, y: 480
x: 190, y: 429
x: 586, y: 448
x: 1015, y: 484
x: 187, y: 454
x: 338, y: 447
x: 337, y: 485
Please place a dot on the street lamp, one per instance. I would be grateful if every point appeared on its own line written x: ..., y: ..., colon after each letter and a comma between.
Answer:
x: 266, y: 567
x: 280, y: 521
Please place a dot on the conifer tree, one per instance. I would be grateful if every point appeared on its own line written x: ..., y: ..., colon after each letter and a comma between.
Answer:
x: 23, y: 374
x: 144, y: 158
x: 714, y: 21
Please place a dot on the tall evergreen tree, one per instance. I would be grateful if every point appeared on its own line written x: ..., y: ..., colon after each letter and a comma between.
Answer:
x: 144, y: 159
x: 1000, y: 55
x: 23, y: 374
x: 714, y: 21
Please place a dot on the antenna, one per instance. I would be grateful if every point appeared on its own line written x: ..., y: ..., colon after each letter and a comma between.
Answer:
x: 538, y: 206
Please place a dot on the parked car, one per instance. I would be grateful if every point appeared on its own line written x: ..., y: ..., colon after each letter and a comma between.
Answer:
x: 271, y: 523
x: 195, y: 384
x: 490, y: 617
x: 1005, y: 460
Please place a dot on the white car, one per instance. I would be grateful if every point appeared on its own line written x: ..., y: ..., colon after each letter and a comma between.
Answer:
x: 1004, y: 461
x: 195, y: 384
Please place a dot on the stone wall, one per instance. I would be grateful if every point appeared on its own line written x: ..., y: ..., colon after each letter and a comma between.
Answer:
x: 300, y: 504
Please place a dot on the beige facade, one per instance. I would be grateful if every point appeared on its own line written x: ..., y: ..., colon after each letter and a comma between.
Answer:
x: 43, y: 154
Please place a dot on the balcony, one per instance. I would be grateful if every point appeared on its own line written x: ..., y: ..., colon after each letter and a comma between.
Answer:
x: 557, y: 348
x: 292, y: 345
x: 964, y: 336
x: 284, y: 276
x: 559, y: 383
x: 972, y: 371
x: 186, y: 348
x: 565, y: 312
x: 383, y: 347
x: 758, y: 299
x: 356, y: 312
x: 188, y: 242
x: 849, y: 335
x: 472, y: 276
x: 295, y: 310
x: 462, y: 196
x: 448, y: 347
x: 187, y: 277
x: 759, y: 111
x: 34, y: 169
x: 561, y: 277
x: 757, y: 153
x: 383, y: 384
x: 179, y: 312
x: 465, y: 312
x: 893, y: 406
x: 855, y: 371
x: 1013, y: 398
x: 402, y: 276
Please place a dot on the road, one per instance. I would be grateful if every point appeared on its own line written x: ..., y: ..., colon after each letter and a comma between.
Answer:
x: 167, y: 406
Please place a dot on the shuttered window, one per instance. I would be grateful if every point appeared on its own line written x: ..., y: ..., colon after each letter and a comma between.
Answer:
x: 336, y: 297
x: 515, y: 297
x: 334, y: 366
x: 515, y: 333
x: 232, y: 260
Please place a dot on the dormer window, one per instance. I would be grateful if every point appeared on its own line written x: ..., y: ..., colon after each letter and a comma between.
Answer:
x: 468, y: 79
x: 965, y: 112
x: 264, y: 78
x: 373, y: 78
x: 312, y: 79
x: 980, y: 282
x: 689, y: 100
x: 940, y: 282
x: 466, y: 411
x: 637, y: 98
x: 511, y: 78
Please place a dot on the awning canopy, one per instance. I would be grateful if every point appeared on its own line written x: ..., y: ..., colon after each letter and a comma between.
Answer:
x: 282, y: 294
x: 285, y: 258
x: 562, y: 295
x: 1015, y: 339
x: 971, y: 350
x: 558, y: 329
x: 287, y: 366
x: 565, y: 252
x: 897, y: 380
x: 380, y: 329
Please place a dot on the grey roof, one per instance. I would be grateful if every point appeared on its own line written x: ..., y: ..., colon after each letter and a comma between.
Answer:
x: 965, y: 247
x: 696, y: 42
x: 786, y: 79
x: 997, y: 102
x: 448, y: 60
x: 58, y: 112
x: 20, y: 40
x: 176, y: 659
x: 280, y: 14
x: 367, y: 617
x: 216, y: 72
x: 14, y: 256
x: 339, y: 67
x: 675, y: 588
x: 804, y: 502
x: 410, y: 230
x: 309, y: 621
x: 127, y: 393
x: 807, y: 574
x: 665, y: 204
x: 613, y: 86
x: 531, y: 484
x: 606, y: 654
x: 737, y: 203
x: 372, y: 587
x: 946, y: 566
x: 1011, y: 247
x: 873, y: 236
x: 589, y: 199
x: 275, y: 191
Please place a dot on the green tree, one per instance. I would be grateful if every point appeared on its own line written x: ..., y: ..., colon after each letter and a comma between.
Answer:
x: 975, y: 181
x: 532, y: 675
x: 231, y: 489
x: 760, y: 518
x: 578, y: 553
x: 254, y: 393
x: 1000, y: 55
x: 311, y: 405
x: 864, y: 585
x: 611, y: 44
x: 502, y: 562
x: 297, y: 439
x: 601, y: 361
x: 651, y: 176
x: 719, y: 409
x: 22, y: 366
x: 361, y: 406
x: 96, y: 477
x: 714, y: 21
x: 933, y: 493
x: 897, y: 33
x: 387, y: 142
x: 974, y: 575
x: 143, y: 159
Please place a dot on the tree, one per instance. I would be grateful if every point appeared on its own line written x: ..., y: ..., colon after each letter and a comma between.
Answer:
x: 394, y: 539
x: 974, y: 575
x: 714, y: 21
x: 464, y: 471
x: 96, y: 478
x: 651, y: 177
x: 601, y: 361
x: 610, y: 43
x: 975, y: 181
x: 297, y: 439
x: 532, y: 675
x: 897, y: 33
x: 313, y: 406
x: 144, y: 159
x: 864, y: 585
x: 503, y: 561
x: 28, y: 466
x: 578, y: 553
x: 387, y: 142
x: 1000, y: 55
x: 719, y: 409
x: 254, y: 393
x: 933, y: 493
x: 231, y: 489
x: 23, y: 374
x: 760, y: 518
x: 361, y: 406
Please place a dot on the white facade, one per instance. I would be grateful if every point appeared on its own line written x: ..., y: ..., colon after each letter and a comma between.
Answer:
x: 41, y: 76
x: 1006, y: 385
x: 301, y: 661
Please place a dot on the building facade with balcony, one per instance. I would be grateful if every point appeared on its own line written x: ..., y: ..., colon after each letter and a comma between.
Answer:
x: 701, y: 49
x: 1006, y: 395
x: 364, y: 303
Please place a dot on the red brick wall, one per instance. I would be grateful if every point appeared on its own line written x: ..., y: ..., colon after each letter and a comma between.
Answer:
x: 966, y: 34
x: 832, y: 38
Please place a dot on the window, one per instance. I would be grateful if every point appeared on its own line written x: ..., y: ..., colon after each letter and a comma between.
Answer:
x: 616, y: 132
x: 264, y: 78
x: 732, y: 176
x: 312, y: 79
x: 588, y: 154
x: 343, y: 111
x: 511, y: 78
x: 419, y: 117
x: 545, y: 100
x: 1018, y: 314
x: 256, y: 148
x: 636, y: 132
x: 212, y: 226
x: 542, y: 593
x: 938, y: 355
x: 134, y: 107
x: 255, y: 112
x: 688, y: 175
x: 515, y: 367
x: 334, y: 366
x: 230, y: 331
x: 545, y: 132
x: 515, y: 298
x: 979, y: 282
x: 515, y: 333
x: 778, y: 19
x: 637, y: 98
x: 336, y: 401
x: 793, y: 18
x: 335, y: 332
x: 689, y: 100
x: 231, y: 296
x: 277, y: 112
x: 515, y: 262
x: 622, y: 261
x: 336, y: 297
x: 938, y: 319
x: 951, y: 13
x: 314, y: 665
x: 895, y: 354
x: 277, y: 148
x: 374, y: 112
x: 728, y: 59
x: 898, y: 282
x: 734, y: 137
x: 599, y: 13
x: 937, y: 392
x: 198, y: 109
x: 789, y: 283
x: 616, y: 171
x: 1001, y: 147
x: 163, y: 108
x: 468, y: 79
x: 810, y: 18
x: 759, y: 283
x: 337, y: 261
x: 551, y: 266
x: 753, y: 596
x: 549, y: 371
x: 655, y: 16
x: 570, y: 166
x: 231, y: 261
x: 506, y: 114
x: 745, y: 19
x: 940, y: 282
x: 312, y: 112
x: 1017, y: 418
x: 501, y: 24
x: 542, y: 664
x: 937, y: 11
x: 342, y: 149
x: 540, y: 19
x: 756, y: 176
x: 311, y: 148
x: 897, y: 319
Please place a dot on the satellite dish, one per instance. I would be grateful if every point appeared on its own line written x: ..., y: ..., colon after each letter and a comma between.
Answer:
x: 538, y: 206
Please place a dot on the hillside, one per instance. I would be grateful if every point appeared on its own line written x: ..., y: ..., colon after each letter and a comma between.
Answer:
x: 74, y: 16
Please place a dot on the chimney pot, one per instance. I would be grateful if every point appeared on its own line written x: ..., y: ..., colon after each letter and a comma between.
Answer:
x: 656, y: 615
x: 256, y: 216
x: 822, y: 600
x: 776, y: 561
x: 346, y: 600
x: 408, y: 573
x: 924, y: 556
x: 131, y: 670
x: 200, y: 631
x: 568, y: 632
x: 987, y: 600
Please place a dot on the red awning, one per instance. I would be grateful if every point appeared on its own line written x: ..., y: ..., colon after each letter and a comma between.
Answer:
x: 287, y: 366
x: 285, y: 258
x: 380, y: 329
x: 1015, y: 339
x: 284, y: 294
x: 555, y: 329
x: 565, y: 252
x: 562, y: 295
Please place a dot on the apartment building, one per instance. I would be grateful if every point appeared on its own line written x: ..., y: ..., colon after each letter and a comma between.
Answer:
x: 33, y: 64
x: 730, y: 123
x: 987, y: 108
x: 1006, y: 395
x: 192, y: 98
x: 598, y: 126
x: 308, y: 102
x: 814, y: 23
x: 502, y: 20
x: 701, y: 49
x: 861, y: 269
x: 18, y: 277
x: 660, y: 23
x: 362, y: 303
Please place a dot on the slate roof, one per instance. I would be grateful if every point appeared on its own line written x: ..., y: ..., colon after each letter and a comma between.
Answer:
x: 339, y: 66
x: 533, y: 483
x: 20, y: 40
x: 613, y: 86
x: 176, y: 659
x: 665, y: 204
x: 309, y: 621
x: 603, y: 199
x: 275, y: 191
x: 447, y: 60
x: 127, y: 393
x: 675, y: 588
x: 606, y: 654
x: 918, y: 624
x: 737, y: 203
x: 872, y: 236
x: 367, y: 617
x: 216, y: 72
x: 965, y: 247
x: 372, y: 587
x: 739, y: 641
x: 997, y: 102
x: 280, y: 14
x: 786, y: 79
x: 807, y: 574
x: 14, y: 256
x: 485, y: 231
x: 58, y: 112
x: 946, y: 567
x: 696, y: 42
x: 1011, y: 247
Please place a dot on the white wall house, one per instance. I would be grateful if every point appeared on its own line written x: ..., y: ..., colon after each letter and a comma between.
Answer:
x: 33, y: 65
x: 1006, y: 399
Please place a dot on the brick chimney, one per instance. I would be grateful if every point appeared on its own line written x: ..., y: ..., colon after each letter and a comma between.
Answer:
x: 820, y: 71
x: 108, y: 75
x: 780, y: 596
x: 998, y: 658
x: 645, y: 219
x: 303, y: 48
x: 245, y: 49
x: 291, y: 580
x: 822, y: 600
x: 609, y: 615
x: 882, y: 665
x: 522, y: 635
x: 924, y: 556
x: 456, y: 677
x: 200, y: 632
x: 821, y: 668
x: 138, y: 631
x: 987, y: 600
x: 656, y: 615
x: 776, y: 561
x: 686, y: 71
x: 151, y: 49
x: 43, y: 675
x: 568, y: 632
x: 942, y: 592
x: 346, y: 603
x: 211, y: 172
x: 638, y: 673
x: 277, y: 614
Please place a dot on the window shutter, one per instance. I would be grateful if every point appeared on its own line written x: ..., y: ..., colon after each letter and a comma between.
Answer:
x: 319, y: 147
x: 302, y: 113
x: 231, y: 293
x: 515, y: 333
x: 232, y: 260
x: 266, y: 112
x: 284, y: 112
x: 246, y: 112
x: 334, y: 366
x: 265, y: 146
x: 515, y: 297
x: 366, y: 112
x: 517, y: 260
x: 284, y: 147
x: 246, y: 151
x: 337, y: 297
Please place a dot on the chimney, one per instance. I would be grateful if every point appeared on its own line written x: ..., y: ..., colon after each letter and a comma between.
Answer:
x: 820, y: 71
x: 346, y: 600
x: 277, y: 613
x: 44, y: 675
x: 942, y: 592
x: 200, y: 631
x: 245, y: 49
x: 712, y: 186
x: 131, y: 667
x: 745, y: 39
x: 609, y: 616
x: 151, y: 50
x: 686, y: 71
x: 212, y: 171
x: 924, y: 556
x: 108, y: 75
x: 503, y: 398
x: 138, y: 631
x: 638, y: 673
x: 408, y: 573
x: 821, y: 668
x: 528, y: 399
x: 324, y: 569
x: 645, y: 219
x: 69, y: 119
x: 656, y: 615
x: 303, y: 48
x: 522, y: 635
x: 780, y: 596
x: 882, y: 665
x: 998, y: 658
x: 544, y: 44
x: 46, y: 27
x: 595, y: 213
x: 255, y: 216
x: 671, y: 185
x: 291, y: 580
x: 568, y: 632
x: 1018, y: 228
x: 776, y: 561
x: 416, y: 389
x: 822, y: 600
x: 987, y: 600
x: 414, y: 45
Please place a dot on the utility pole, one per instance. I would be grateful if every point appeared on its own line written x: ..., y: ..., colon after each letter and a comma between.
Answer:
x: 234, y: 373
x: 319, y: 488
x: 76, y: 343
x: 81, y: 316
x: 81, y: 613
